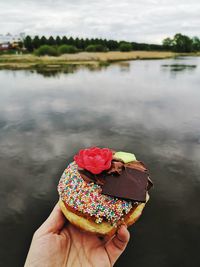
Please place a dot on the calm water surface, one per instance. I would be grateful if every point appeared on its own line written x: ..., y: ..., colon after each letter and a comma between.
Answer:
x: 151, y: 108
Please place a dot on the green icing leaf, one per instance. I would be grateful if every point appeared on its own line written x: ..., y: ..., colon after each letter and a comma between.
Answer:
x: 126, y: 157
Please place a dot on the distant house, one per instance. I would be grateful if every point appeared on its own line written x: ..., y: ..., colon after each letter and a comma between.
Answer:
x: 5, y: 46
x: 10, y: 41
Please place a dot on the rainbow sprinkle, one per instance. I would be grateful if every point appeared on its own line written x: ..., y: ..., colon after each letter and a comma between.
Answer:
x: 88, y: 199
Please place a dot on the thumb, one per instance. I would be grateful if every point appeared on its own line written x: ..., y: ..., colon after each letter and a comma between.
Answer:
x: 118, y: 244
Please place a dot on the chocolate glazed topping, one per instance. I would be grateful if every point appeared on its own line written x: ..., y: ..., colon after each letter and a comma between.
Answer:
x: 130, y: 184
x: 128, y: 181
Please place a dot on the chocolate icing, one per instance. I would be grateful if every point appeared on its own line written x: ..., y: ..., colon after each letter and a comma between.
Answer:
x: 130, y: 184
x: 116, y: 167
x: 127, y: 181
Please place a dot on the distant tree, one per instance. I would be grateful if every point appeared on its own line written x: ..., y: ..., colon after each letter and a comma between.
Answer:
x: 71, y: 41
x: 51, y: 41
x: 101, y: 42
x: 134, y: 46
x: 28, y: 43
x: 168, y: 43
x: 67, y: 49
x: 64, y: 40
x: 77, y: 43
x: 156, y: 47
x: 195, y: 43
x: 86, y: 43
x: 92, y: 41
x: 36, y: 42
x: 182, y: 43
x: 144, y: 47
x: 58, y: 40
x: 111, y: 44
x: 96, y: 41
x: 81, y: 44
x: 125, y: 47
x: 43, y: 41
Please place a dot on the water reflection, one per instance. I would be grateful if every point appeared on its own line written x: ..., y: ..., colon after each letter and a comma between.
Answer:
x: 124, y: 66
x: 179, y: 67
x: 56, y: 71
x: 44, y: 121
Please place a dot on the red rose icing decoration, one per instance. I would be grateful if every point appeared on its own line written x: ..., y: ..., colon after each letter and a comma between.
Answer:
x: 94, y: 159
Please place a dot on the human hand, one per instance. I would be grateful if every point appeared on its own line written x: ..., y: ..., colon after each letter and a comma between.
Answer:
x: 57, y: 243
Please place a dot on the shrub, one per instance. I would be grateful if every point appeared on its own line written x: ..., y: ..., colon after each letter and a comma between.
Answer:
x: 46, y: 50
x: 95, y: 48
x: 9, y: 52
x: 67, y: 49
x: 125, y: 47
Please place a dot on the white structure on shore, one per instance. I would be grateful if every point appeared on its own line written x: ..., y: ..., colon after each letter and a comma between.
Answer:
x: 10, y: 39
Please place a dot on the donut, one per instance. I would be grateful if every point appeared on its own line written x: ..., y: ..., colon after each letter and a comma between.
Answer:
x: 102, y: 189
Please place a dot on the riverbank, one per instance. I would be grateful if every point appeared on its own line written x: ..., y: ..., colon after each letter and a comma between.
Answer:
x: 93, y: 59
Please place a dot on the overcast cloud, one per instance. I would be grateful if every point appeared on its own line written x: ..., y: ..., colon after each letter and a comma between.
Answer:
x: 141, y: 21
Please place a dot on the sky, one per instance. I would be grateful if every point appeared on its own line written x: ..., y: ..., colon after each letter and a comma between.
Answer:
x: 147, y: 21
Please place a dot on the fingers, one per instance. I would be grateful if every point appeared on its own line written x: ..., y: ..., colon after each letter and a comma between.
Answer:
x: 54, y: 223
x: 121, y: 239
x: 118, y: 244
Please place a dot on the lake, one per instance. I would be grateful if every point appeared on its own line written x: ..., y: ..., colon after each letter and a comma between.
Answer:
x: 148, y: 107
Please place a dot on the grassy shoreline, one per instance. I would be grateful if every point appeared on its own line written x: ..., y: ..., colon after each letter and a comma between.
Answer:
x: 94, y: 59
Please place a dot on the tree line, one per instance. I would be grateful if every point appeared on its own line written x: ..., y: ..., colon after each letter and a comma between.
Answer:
x: 59, y: 45
x: 182, y: 43
x: 91, y: 45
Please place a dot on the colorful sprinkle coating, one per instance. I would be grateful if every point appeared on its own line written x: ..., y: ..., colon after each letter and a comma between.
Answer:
x: 88, y: 199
